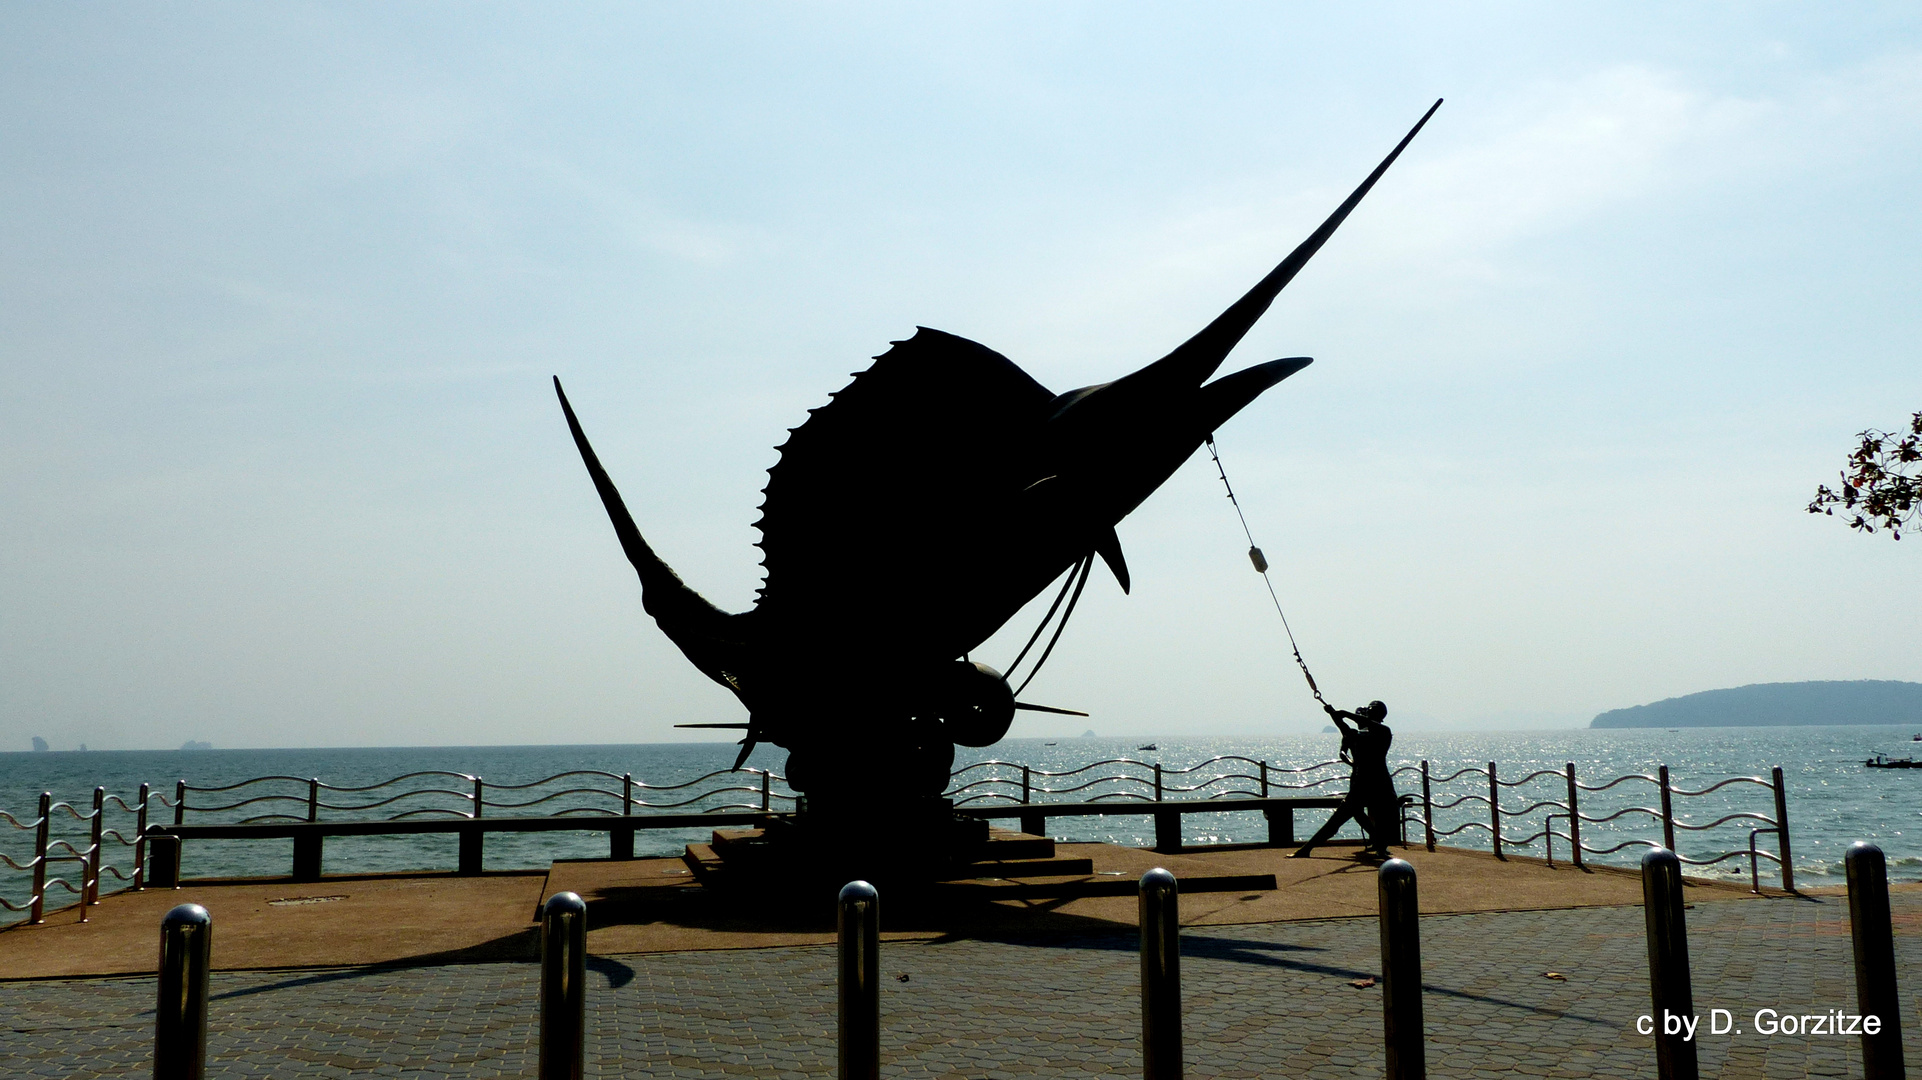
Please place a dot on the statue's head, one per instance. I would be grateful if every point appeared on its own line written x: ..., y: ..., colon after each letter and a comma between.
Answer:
x: 1374, y: 712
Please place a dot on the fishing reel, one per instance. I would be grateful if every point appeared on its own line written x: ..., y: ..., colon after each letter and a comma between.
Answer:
x: 974, y: 704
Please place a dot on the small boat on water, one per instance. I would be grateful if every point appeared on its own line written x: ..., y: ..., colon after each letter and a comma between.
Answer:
x: 1880, y: 761
x: 1150, y: 746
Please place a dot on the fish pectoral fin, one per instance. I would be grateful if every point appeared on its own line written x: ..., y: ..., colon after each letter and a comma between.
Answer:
x: 1028, y: 706
x: 1109, y: 548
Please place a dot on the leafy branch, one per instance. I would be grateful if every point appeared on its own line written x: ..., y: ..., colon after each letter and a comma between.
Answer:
x: 1882, y: 485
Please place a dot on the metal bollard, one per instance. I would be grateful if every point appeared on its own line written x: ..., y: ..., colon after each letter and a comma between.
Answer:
x: 1401, y: 1019
x: 563, y: 986
x: 1668, y: 977
x: 1160, y: 976
x: 1875, y: 994
x: 859, y: 924
x: 180, y: 1019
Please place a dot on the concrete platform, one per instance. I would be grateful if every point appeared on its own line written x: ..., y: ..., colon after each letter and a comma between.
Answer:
x: 652, y: 906
x: 335, y: 922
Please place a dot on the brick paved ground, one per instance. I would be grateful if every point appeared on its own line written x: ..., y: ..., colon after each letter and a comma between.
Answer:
x: 1261, y: 1000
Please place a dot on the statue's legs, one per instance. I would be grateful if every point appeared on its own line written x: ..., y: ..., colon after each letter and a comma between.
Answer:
x: 1327, y: 832
x: 1383, y: 822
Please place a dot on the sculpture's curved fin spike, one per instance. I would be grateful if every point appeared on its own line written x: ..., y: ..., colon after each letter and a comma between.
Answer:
x: 1198, y: 357
x: 1224, y: 397
x: 1109, y: 548
x: 699, y: 628
x: 747, y: 747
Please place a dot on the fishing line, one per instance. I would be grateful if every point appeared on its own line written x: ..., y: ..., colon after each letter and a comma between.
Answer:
x: 1261, y: 564
x: 1080, y: 580
x: 1066, y: 584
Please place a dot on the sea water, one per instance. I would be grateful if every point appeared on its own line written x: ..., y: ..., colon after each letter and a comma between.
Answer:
x: 1833, y: 800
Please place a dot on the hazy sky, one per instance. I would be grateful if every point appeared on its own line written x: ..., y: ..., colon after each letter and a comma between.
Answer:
x: 281, y: 287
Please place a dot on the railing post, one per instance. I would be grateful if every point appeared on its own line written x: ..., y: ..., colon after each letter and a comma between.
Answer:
x: 620, y: 838
x: 180, y: 802
x: 1668, y: 811
x: 163, y: 861
x: 1574, y: 818
x: 472, y: 839
x: 1160, y: 911
x: 180, y: 1019
x: 1673, y: 1012
x: 90, y: 878
x: 140, y: 843
x: 1401, y: 970
x: 308, y: 846
x: 37, y: 906
x: 1027, y: 785
x: 767, y: 793
x: 563, y: 987
x: 308, y: 854
x: 1782, y: 829
x: 1495, y: 810
x: 1264, y: 779
x: 1157, y: 781
x: 858, y: 922
x: 1874, y: 933
x: 1428, y: 806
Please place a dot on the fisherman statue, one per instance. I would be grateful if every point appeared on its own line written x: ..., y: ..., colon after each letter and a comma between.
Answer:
x: 910, y: 518
x: 1371, y: 801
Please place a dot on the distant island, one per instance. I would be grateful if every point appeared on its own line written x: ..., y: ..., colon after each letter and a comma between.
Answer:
x: 1859, y: 701
x: 192, y: 744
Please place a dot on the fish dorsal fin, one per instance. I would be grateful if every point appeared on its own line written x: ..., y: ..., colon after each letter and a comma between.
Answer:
x: 883, y: 496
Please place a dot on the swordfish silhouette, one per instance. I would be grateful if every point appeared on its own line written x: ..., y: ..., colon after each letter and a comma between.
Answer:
x: 917, y: 512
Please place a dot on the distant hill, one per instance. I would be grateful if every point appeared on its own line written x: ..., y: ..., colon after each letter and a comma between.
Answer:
x: 1782, y: 704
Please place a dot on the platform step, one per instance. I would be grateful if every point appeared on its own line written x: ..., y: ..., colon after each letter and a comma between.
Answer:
x: 706, y: 863
x: 727, y: 841
x: 1004, y: 845
x: 1063, y: 866
x: 1068, y: 888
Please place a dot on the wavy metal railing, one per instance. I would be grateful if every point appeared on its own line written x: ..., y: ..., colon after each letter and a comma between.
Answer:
x: 1015, y: 782
x: 92, y: 854
x: 1224, y: 777
x: 471, y: 800
x: 1568, y: 810
x: 562, y: 794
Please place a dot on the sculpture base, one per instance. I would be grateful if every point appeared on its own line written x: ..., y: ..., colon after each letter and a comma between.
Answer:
x: 903, y: 844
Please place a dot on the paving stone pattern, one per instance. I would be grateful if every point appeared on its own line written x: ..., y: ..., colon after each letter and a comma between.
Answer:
x: 1263, y: 1000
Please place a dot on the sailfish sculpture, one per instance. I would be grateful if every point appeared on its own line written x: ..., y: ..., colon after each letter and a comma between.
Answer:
x: 916, y: 513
